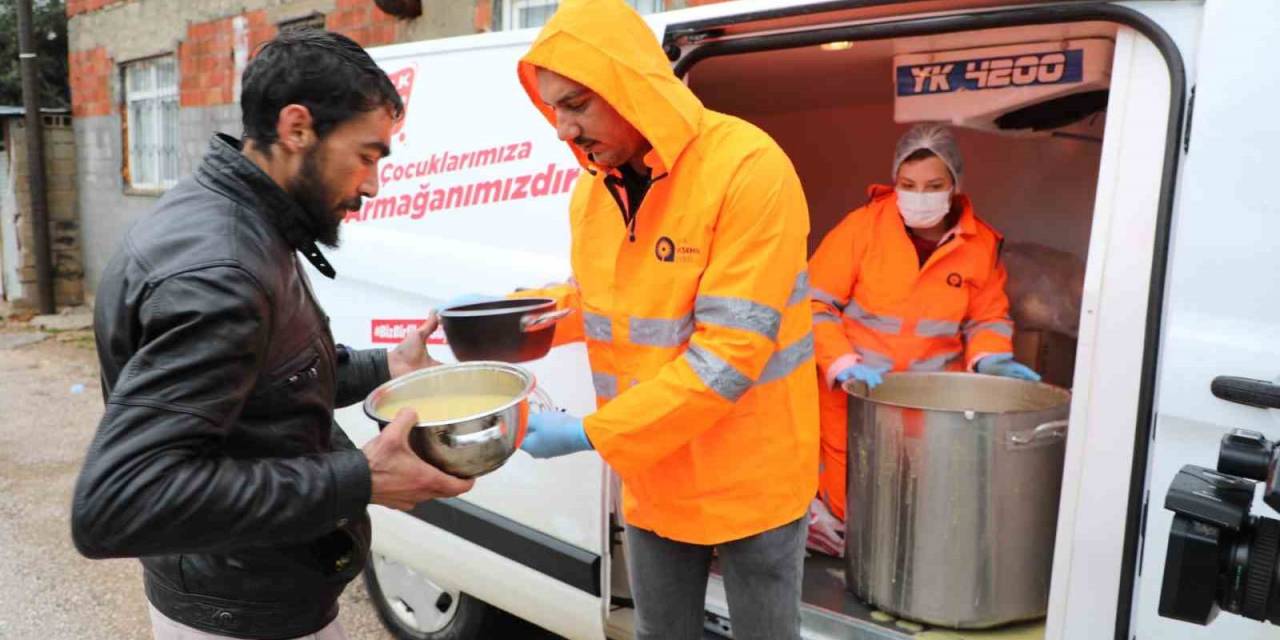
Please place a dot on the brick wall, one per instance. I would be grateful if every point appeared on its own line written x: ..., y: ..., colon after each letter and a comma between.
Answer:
x: 206, y: 62
x: 361, y: 21
x: 76, y: 7
x: 483, y: 15
x: 90, y: 73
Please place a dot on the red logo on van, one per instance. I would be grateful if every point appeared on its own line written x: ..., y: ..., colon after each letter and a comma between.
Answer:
x: 393, y: 331
x: 403, y: 81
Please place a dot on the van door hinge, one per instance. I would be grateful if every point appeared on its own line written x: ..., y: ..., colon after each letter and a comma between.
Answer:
x: 1186, y: 134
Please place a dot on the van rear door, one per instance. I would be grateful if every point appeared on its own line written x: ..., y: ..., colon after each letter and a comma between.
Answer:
x: 1223, y: 312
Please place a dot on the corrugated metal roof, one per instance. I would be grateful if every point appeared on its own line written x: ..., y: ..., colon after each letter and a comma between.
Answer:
x: 9, y: 111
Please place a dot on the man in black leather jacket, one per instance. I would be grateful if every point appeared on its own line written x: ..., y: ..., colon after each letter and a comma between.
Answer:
x: 217, y: 461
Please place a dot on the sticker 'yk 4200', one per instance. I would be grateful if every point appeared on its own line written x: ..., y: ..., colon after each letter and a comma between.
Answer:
x: 1056, y: 67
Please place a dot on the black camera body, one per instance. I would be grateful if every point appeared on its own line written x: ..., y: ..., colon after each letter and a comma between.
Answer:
x: 1219, y: 555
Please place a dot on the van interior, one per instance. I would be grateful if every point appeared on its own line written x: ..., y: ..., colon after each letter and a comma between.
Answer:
x: 1031, y: 169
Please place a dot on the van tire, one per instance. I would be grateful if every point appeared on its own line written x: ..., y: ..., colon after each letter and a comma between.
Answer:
x: 469, y: 615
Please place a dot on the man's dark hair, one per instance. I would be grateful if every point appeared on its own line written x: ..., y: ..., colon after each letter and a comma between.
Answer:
x: 325, y: 72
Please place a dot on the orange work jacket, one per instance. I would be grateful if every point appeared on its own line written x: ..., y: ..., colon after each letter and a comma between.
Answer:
x: 874, y: 303
x: 698, y: 329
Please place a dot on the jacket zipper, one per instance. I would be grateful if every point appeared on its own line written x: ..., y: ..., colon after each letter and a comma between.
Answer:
x: 311, y: 297
x: 310, y: 372
x: 614, y: 185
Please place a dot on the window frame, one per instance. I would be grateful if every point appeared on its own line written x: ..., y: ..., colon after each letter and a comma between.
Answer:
x: 157, y: 95
x: 312, y: 20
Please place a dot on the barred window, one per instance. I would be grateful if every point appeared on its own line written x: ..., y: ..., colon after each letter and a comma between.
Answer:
x: 313, y: 20
x: 151, y: 97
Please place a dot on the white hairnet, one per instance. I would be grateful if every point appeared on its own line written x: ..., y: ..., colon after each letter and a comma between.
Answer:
x: 935, y: 138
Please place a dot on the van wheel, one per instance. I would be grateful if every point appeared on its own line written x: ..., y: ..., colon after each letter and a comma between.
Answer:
x: 414, y: 608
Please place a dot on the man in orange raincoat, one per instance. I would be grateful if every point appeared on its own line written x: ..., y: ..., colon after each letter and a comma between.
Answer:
x: 688, y: 254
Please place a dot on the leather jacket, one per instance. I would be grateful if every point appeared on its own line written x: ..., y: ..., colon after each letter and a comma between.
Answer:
x: 217, y: 461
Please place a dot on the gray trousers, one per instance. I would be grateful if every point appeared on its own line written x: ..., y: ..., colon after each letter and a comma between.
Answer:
x: 164, y: 628
x: 762, y: 575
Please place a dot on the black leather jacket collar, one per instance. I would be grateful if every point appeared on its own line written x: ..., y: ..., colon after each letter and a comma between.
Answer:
x: 227, y: 170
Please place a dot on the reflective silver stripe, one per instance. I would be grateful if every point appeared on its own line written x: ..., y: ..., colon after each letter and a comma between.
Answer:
x: 823, y: 296
x: 1000, y: 327
x: 661, y: 332
x: 606, y: 385
x: 883, y: 324
x: 718, y: 375
x: 598, y: 327
x: 825, y: 316
x: 801, y: 290
x: 874, y: 359
x: 926, y: 328
x: 785, y: 361
x: 936, y: 363
x: 738, y: 313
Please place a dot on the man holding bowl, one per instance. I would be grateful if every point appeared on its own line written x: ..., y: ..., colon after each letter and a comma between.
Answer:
x: 217, y: 461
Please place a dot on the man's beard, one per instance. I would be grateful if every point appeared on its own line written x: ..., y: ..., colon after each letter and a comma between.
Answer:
x: 308, y: 189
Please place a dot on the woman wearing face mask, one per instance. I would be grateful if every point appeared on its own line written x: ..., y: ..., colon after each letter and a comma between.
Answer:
x: 912, y: 281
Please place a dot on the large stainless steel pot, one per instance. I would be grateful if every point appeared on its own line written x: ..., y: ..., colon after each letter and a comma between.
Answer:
x: 466, y: 446
x: 953, y: 496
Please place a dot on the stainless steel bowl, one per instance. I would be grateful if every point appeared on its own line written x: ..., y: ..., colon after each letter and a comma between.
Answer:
x: 467, y: 446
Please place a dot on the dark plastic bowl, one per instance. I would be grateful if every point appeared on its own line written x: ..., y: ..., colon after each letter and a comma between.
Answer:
x: 512, y: 330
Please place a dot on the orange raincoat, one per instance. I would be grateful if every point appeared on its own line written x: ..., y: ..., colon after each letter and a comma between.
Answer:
x: 874, y: 303
x: 698, y: 331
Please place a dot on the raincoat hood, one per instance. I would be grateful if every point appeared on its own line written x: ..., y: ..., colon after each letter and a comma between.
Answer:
x: 605, y: 46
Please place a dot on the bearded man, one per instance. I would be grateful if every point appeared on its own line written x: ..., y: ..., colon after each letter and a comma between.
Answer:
x: 217, y: 461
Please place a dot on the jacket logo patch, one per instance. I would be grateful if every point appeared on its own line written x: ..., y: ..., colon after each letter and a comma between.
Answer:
x: 954, y: 280
x: 665, y: 250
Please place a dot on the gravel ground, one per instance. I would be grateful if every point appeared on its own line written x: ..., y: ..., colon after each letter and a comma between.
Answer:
x: 49, y: 591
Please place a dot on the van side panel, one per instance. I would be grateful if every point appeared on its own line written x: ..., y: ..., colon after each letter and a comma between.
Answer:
x: 472, y: 199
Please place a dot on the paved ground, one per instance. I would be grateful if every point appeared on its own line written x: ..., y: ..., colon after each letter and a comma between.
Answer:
x: 49, y: 406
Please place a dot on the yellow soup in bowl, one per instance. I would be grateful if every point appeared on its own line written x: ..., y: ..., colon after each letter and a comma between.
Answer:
x: 447, y: 407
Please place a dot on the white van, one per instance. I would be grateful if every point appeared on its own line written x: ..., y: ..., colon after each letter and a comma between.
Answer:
x: 1153, y: 163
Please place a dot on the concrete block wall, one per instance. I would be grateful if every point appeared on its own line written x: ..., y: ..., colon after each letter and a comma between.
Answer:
x: 63, y: 211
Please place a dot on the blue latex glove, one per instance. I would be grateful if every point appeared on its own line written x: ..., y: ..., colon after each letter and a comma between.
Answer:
x: 467, y: 298
x: 1003, y: 364
x: 872, y: 376
x: 553, y: 433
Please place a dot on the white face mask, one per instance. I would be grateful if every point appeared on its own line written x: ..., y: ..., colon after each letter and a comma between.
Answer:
x: 923, y: 210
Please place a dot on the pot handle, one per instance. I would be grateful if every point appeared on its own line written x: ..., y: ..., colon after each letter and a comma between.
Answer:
x: 472, y: 439
x: 541, y: 401
x: 1049, y: 431
x: 531, y: 323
